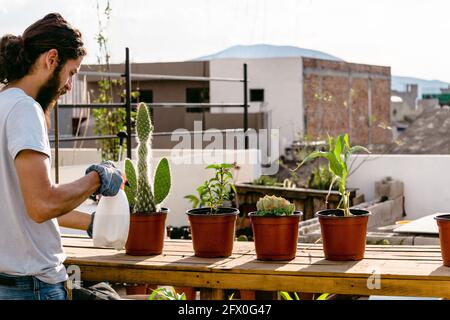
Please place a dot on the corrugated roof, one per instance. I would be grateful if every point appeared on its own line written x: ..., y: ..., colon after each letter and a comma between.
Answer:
x: 428, y: 134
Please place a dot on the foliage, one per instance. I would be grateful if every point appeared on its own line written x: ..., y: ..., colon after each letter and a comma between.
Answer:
x: 166, y: 294
x: 337, y: 156
x: 274, y: 206
x: 289, y: 183
x: 321, y: 179
x: 213, y: 192
x: 139, y: 191
x: 108, y: 121
x: 286, y: 296
x: 130, y: 189
x: 265, y: 181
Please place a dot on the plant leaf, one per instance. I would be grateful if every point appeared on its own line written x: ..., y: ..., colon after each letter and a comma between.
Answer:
x: 162, y: 182
x: 285, y: 295
x: 323, y: 296
x: 356, y: 149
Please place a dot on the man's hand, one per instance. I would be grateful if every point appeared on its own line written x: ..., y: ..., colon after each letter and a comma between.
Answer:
x: 110, y: 178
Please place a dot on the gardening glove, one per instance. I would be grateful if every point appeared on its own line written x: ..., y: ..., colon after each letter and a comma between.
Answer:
x: 110, y: 178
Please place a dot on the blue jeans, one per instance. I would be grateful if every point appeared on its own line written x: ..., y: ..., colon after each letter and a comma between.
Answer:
x: 30, y: 288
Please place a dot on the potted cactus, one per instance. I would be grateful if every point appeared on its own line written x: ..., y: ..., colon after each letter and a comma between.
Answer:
x: 443, y: 222
x: 212, y: 224
x: 275, y: 228
x: 147, y: 221
x: 343, y: 229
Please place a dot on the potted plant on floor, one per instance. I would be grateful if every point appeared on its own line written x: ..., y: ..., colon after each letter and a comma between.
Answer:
x: 147, y: 221
x: 212, y: 224
x: 275, y: 228
x: 343, y: 229
x: 443, y: 222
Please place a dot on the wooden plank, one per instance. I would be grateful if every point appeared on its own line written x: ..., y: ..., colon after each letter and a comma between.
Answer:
x: 387, y: 268
x: 298, y: 283
x: 169, y: 245
x: 211, y: 294
x: 75, y: 252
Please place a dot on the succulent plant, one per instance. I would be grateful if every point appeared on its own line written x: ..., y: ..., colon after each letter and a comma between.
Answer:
x: 141, y: 196
x: 274, y: 206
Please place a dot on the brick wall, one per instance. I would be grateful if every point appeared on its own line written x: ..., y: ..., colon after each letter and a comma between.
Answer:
x: 341, y: 97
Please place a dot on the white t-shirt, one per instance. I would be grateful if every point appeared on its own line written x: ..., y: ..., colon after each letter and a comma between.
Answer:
x: 26, y: 247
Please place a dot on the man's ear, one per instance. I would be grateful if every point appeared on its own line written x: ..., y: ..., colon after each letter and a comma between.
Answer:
x: 51, y: 59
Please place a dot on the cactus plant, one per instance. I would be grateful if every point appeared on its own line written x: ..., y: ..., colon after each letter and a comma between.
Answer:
x: 141, y: 196
x: 274, y: 206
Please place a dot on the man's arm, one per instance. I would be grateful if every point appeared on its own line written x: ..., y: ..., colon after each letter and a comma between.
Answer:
x: 43, y: 199
x: 75, y: 220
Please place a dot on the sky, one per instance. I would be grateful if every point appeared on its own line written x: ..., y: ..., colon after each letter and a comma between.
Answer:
x: 410, y: 36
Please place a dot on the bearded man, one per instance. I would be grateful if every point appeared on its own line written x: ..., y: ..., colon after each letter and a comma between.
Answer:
x: 35, y: 69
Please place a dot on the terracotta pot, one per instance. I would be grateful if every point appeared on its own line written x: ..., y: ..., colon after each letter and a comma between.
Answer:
x: 443, y: 222
x: 275, y: 237
x: 344, y: 238
x: 213, y: 234
x: 146, y: 235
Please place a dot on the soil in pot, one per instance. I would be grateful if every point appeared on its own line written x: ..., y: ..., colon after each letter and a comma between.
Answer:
x: 344, y: 238
x: 146, y: 235
x: 443, y: 222
x: 213, y: 234
x: 275, y: 237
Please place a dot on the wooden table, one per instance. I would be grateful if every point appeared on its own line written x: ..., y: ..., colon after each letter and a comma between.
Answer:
x: 386, y: 270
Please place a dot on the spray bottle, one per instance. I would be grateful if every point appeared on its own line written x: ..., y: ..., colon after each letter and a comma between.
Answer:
x: 112, y: 217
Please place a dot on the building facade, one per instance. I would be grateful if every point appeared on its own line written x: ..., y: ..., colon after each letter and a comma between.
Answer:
x: 298, y: 96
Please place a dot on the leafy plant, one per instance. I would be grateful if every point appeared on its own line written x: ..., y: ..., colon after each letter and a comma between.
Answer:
x: 141, y: 196
x: 274, y: 206
x: 166, y: 294
x: 337, y: 156
x: 108, y: 121
x: 321, y: 179
x: 265, y: 181
x: 213, y: 192
x: 286, y: 296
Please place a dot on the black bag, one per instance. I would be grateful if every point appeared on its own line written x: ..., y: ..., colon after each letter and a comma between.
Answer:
x: 99, y: 291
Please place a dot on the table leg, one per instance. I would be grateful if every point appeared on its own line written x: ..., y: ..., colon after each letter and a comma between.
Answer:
x: 211, y: 294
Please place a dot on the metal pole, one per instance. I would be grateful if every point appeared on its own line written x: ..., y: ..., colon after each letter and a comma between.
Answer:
x: 245, y: 106
x: 128, y: 99
x: 56, y: 146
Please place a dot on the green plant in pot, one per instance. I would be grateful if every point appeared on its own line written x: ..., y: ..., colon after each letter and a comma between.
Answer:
x: 443, y: 222
x: 275, y: 228
x: 213, y: 225
x: 343, y: 229
x: 147, y: 221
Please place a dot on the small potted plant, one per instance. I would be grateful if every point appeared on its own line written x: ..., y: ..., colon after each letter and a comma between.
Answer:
x: 443, y: 222
x: 275, y: 228
x: 147, y: 221
x: 343, y: 229
x: 212, y: 224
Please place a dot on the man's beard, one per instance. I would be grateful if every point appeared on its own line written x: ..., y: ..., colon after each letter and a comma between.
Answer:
x: 49, y: 94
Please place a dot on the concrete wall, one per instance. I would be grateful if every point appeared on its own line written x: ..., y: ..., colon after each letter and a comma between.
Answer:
x: 281, y: 79
x: 188, y: 172
x: 425, y: 177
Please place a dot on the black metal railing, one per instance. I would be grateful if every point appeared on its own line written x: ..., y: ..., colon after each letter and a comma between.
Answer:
x: 128, y: 106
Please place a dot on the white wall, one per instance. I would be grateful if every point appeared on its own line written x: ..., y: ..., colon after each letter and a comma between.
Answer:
x: 281, y: 79
x: 426, y: 180
x: 187, y: 173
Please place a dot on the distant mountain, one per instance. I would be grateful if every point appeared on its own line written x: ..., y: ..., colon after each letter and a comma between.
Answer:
x: 267, y: 51
x: 425, y: 86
